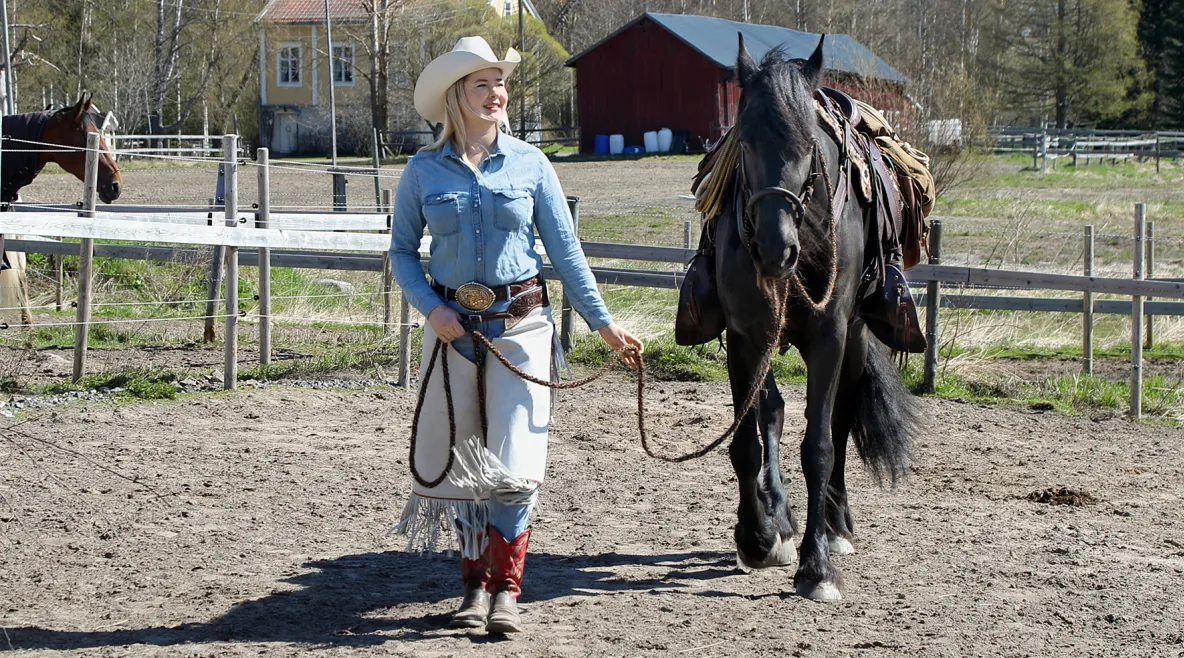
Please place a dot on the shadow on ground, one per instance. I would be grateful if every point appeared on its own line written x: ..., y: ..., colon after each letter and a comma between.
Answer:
x: 339, y: 603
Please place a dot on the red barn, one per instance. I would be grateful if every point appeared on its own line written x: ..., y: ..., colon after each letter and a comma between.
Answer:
x: 676, y: 71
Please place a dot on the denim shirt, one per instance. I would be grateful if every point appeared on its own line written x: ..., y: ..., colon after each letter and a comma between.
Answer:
x: 483, y: 227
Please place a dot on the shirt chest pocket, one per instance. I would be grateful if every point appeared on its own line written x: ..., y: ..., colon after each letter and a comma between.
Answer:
x: 442, y: 213
x: 513, y: 208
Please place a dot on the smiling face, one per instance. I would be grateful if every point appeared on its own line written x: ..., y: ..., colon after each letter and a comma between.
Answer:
x: 485, y: 96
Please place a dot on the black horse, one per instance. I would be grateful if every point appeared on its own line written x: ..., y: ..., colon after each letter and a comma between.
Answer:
x: 803, y: 252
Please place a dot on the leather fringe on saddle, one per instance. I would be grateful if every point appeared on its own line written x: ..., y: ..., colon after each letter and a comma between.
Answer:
x: 713, y: 181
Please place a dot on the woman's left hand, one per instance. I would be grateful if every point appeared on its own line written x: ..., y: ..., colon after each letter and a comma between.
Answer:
x: 618, y: 339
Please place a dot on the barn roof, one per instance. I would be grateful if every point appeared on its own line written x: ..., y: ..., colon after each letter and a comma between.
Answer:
x: 313, y: 11
x: 715, y: 38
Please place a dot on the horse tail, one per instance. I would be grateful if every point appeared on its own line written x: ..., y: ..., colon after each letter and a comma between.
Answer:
x: 12, y: 290
x: 887, y: 418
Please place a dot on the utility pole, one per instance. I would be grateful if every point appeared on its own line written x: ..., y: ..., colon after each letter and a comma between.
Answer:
x: 332, y: 95
x: 9, y: 93
x: 521, y: 92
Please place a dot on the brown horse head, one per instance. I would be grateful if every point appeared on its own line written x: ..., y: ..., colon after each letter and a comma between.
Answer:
x: 68, y: 127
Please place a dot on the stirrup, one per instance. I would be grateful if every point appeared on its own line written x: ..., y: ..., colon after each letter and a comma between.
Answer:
x: 891, y: 313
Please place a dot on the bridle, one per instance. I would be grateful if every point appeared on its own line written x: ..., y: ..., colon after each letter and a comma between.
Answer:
x: 835, y: 201
x: 746, y: 200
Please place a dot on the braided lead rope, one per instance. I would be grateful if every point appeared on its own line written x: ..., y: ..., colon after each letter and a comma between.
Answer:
x: 833, y: 270
x: 754, y: 392
x: 423, y: 387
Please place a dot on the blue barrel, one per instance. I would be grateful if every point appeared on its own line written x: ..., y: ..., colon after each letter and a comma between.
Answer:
x: 601, y: 147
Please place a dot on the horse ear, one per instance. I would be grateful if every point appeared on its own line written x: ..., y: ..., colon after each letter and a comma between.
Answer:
x: 812, y: 69
x: 79, y: 108
x: 746, y: 68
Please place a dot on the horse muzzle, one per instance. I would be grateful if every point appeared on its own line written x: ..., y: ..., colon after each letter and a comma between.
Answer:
x: 109, y: 191
x: 775, y: 259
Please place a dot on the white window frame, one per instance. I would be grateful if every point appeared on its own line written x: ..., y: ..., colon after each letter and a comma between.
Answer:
x: 351, y: 64
x: 279, y: 57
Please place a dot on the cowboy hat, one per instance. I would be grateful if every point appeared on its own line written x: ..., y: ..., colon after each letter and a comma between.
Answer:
x: 470, y: 55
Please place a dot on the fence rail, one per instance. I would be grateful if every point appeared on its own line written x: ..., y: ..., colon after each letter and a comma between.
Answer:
x: 1086, y: 145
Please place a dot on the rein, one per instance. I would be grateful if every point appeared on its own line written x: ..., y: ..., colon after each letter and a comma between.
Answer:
x: 441, y: 350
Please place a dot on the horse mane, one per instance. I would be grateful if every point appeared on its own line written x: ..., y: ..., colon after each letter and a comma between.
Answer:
x: 779, y: 99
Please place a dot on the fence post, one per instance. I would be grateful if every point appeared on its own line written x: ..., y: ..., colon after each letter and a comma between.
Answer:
x: 1149, y: 332
x: 215, y: 280
x: 263, y: 220
x: 1157, y: 153
x: 565, y: 321
x: 230, y: 381
x: 404, y: 341
x: 388, y: 284
x: 686, y: 239
x: 1137, y: 318
x: 932, y: 301
x: 338, y: 192
x: 59, y: 276
x: 1087, y: 304
x: 86, y: 256
x: 377, y: 181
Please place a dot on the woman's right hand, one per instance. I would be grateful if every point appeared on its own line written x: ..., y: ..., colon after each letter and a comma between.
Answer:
x: 446, y: 323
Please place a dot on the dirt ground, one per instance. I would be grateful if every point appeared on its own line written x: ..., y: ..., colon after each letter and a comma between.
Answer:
x: 265, y: 533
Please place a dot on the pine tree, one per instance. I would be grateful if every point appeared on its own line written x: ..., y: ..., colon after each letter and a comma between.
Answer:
x: 1074, y: 59
x: 1171, y: 74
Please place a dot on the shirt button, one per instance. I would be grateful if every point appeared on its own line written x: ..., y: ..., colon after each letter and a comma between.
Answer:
x: 478, y: 231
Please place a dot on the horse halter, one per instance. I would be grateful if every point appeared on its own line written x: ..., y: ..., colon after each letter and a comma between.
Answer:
x: 799, y: 202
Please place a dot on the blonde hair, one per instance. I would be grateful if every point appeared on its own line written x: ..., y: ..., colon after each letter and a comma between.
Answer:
x: 454, y: 119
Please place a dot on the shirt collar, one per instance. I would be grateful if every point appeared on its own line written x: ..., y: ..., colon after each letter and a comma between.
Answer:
x: 449, y: 151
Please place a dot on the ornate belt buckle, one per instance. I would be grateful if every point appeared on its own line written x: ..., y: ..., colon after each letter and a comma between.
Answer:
x: 475, y: 297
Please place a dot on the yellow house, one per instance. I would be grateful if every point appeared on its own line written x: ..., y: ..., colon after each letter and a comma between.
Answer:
x: 295, y: 71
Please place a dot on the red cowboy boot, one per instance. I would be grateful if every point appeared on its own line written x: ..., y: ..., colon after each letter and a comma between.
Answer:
x: 475, y: 607
x: 507, y: 561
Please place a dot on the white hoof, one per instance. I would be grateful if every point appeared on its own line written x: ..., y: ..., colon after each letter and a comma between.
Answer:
x: 783, y: 554
x: 841, y: 546
x: 826, y: 592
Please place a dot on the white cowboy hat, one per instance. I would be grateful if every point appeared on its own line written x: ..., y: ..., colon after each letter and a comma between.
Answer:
x: 470, y: 55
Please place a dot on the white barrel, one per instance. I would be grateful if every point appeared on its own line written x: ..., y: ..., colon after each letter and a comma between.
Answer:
x: 665, y: 137
x: 651, y: 141
x: 616, y: 144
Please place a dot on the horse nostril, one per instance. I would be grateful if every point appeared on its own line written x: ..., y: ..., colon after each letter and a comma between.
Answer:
x: 792, y: 258
x: 115, y: 187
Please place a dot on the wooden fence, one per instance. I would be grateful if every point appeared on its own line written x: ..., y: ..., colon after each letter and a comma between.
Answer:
x: 1083, y: 146
x: 260, y: 239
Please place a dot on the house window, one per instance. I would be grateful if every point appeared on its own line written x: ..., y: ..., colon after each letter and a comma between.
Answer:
x: 343, y: 64
x: 287, y: 65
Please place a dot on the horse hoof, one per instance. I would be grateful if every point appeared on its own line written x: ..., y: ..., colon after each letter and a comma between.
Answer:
x: 840, y: 545
x: 783, y: 554
x: 826, y: 592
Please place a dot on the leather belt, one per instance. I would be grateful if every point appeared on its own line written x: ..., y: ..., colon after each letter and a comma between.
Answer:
x: 479, y: 297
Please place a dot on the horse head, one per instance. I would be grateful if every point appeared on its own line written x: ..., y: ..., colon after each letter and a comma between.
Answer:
x: 776, y: 124
x: 68, y: 127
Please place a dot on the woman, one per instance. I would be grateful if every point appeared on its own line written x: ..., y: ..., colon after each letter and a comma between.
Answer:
x: 482, y: 196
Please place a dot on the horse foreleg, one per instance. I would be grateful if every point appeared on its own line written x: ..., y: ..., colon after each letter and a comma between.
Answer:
x: 764, y: 525
x: 840, y: 526
x: 816, y: 577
